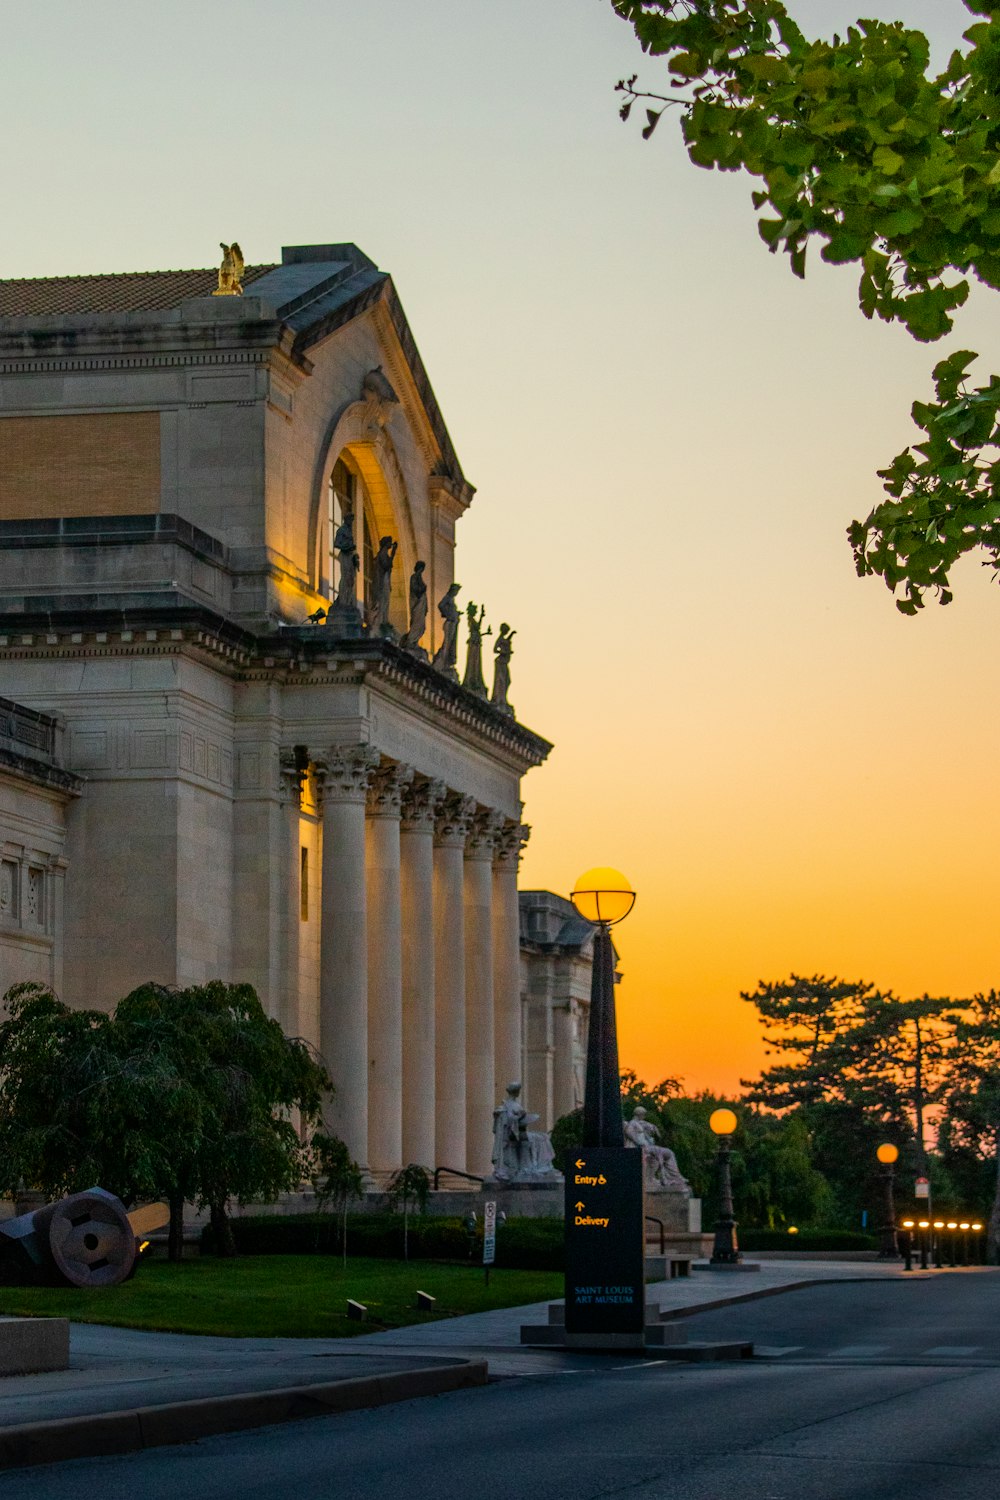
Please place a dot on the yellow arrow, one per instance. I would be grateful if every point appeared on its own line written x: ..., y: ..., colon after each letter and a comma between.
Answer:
x: 581, y: 1163
x: 580, y: 1207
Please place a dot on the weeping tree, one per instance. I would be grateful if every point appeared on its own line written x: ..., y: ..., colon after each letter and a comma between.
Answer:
x: 410, y: 1184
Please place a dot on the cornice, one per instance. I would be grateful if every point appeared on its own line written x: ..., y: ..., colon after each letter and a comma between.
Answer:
x: 295, y: 657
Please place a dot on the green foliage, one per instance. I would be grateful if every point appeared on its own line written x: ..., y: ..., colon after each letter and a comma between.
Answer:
x: 525, y: 1244
x: 567, y: 1134
x: 181, y: 1093
x: 864, y: 154
x: 971, y: 1126
x: 809, y: 1239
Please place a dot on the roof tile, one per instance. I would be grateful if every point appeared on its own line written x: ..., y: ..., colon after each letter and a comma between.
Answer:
x: 131, y: 291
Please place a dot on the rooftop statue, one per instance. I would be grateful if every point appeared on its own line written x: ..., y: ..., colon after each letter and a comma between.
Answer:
x: 503, y: 646
x: 378, y: 609
x: 418, y: 611
x: 474, y: 680
x: 659, y: 1164
x: 447, y: 653
x: 519, y: 1154
x: 230, y: 272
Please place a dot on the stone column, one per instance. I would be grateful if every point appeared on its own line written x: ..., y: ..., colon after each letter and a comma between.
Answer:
x: 480, y: 1086
x: 420, y: 803
x: 385, y: 970
x: 507, y: 955
x: 290, y: 854
x: 451, y: 827
x: 563, y: 1077
x: 343, y: 774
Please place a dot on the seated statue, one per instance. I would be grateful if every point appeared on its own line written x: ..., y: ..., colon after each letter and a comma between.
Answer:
x: 659, y: 1164
x: 519, y: 1154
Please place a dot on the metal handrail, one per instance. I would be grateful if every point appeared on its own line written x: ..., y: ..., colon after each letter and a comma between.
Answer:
x: 454, y: 1172
x: 652, y: 1219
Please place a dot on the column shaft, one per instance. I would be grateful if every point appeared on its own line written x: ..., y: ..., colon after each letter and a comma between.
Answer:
x: 449, y: 981
x: 417, y: 896
x: 508, y: 1066
x: 385, y: 972
x: 291, y: 916
x: 480, y: 1082
x: 344, y: 943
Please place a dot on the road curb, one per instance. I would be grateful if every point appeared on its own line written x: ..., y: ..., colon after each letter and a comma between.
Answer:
x: 668, y: 1314
x: 103, y: 1434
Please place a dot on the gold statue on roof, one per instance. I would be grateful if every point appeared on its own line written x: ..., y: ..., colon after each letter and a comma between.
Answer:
x: 230, y: 272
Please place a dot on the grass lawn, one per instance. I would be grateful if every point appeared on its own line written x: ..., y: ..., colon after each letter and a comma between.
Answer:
x: 291, y: 1296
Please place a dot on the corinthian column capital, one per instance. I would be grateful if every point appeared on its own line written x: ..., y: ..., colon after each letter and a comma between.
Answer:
x: 421, y: 800
x: 483, y: 831
x: 386, y: 789
x: 344, y: 772
x: 292, y: 767
x: 454, y: 817
x: 509, y: 844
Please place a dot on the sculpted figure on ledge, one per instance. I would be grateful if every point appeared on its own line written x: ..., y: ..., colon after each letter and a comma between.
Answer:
x: 474, y: 680
x: 447, y: 653
x: 378, y: 609
x: 502, y: 650
x: 659, y: 1164
x: 418, y: 612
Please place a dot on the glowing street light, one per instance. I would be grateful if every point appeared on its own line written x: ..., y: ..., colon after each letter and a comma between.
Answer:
x: 726, y: 1250
x: 603, y: 896
x: 888, y: 1155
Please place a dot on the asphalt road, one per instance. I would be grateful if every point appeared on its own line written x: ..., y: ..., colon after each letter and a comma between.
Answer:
x: 882, y: 1391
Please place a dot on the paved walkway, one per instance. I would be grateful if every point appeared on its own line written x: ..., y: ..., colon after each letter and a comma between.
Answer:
x: 127, y: 1389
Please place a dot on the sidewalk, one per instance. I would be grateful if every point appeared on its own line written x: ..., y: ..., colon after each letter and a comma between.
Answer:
x: 127, y: 1389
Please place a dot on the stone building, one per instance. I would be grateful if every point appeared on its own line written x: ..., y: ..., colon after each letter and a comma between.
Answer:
x: 556, y: 963
x: 317, y: 809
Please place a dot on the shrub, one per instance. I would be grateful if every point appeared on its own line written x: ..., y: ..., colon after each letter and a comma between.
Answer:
x: 522, y: 1244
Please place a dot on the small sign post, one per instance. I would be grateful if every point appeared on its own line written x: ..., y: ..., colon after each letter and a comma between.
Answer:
x: 923, y: 1188
x: 605, y: 1243
x: 489, y: 1237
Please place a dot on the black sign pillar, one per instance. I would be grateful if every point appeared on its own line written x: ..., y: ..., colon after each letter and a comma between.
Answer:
x: 605, y: 1248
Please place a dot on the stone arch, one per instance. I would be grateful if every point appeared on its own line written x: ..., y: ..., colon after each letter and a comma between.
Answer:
x: 357, y: 430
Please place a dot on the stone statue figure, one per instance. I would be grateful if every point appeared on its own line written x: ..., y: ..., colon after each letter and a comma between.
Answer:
x: 230, y: 272
x: 502, y: 649
x: 519, y: 1154
x: 378, y: 608
x: 659, y: 1164
x: 474, y: 680
x: 347, y: 556
x: 418, y: 611
x: 447, y: 652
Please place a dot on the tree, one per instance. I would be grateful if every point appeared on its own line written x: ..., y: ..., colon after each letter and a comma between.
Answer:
x: 860, y: 150
x: 249, y: 1077
x: 802, y: 1017
x: 83, y: 1104
x: 972, y: 1116
x: 409, y: 1185
x: 336, y: 1178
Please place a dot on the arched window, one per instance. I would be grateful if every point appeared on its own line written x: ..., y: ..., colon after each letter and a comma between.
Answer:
x: 348, y: 495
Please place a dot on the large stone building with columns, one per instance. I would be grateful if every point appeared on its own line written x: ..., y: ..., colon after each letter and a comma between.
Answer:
x: 324, y: 813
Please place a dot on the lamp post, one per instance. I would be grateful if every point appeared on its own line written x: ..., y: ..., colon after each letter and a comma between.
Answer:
x: 888, y: 1155
x: 605, y: 1281
x: 938, y: 1226
x: 924, y: 1229
x: 726, y: 1250
x: 603, y: 896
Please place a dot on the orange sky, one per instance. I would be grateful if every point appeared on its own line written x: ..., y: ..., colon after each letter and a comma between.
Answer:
x: 668, y: 432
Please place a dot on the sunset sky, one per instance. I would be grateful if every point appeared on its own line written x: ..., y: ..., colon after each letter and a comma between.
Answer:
x: 668, y: 432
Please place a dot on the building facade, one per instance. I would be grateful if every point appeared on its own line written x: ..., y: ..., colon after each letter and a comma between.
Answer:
x: 325, y: 810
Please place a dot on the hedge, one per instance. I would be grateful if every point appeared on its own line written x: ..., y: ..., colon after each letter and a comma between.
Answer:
x: 522, y: 1244
x: 806, y: 1239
